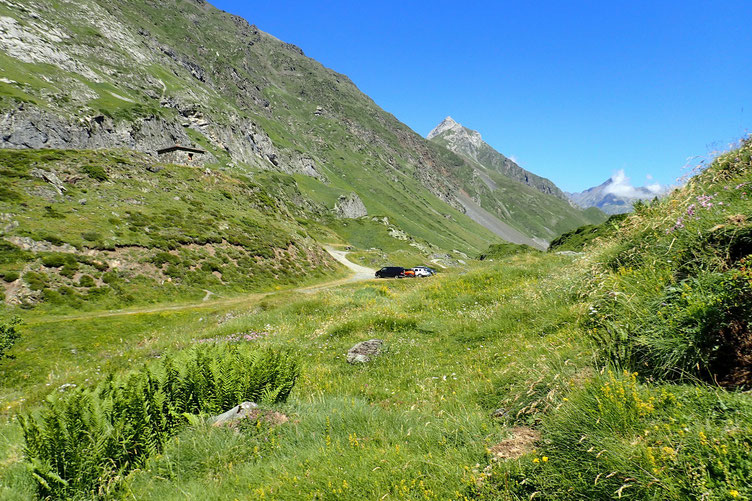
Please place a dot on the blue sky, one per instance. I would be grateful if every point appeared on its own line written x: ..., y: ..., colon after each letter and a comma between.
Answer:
x: 574, y: 91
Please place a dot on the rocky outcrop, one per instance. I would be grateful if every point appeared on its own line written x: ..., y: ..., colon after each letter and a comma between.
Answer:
x: 364, y: 351
x: 350, y: 207
x: 30, y: 127
x: 51, y: 178
x: 240, y: 411
x: 248, y: 410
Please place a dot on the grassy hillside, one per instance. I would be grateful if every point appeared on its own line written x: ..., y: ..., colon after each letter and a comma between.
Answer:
x: 524, y: 207
x: 620, y: 373
x: 120, y: 229
x: 577, y: 240
x: 132, y: 74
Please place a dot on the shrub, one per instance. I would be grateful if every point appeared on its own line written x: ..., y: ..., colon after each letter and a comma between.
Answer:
x: 10, y: 276
x: 86, y: 281
x: 82, y: 441
x: 51, y: 212
x: 53, y: 239
x: 52, y: 296
x: 9, y: 253
x: 57, y: 260
x: 500, y: 251
x: 96, y: 172
x: 36, y: 281
x: 91, y: 236
x: 69, y: 269
x: 160, y: 258
x: 110, y: 277
x: 9, y: 336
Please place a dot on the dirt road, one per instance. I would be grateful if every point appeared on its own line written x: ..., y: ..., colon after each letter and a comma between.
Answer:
x: 360, y: 273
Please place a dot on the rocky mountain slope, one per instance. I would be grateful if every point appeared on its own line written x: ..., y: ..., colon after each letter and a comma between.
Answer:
x: 469, y: 143
x: 501, y: 188
x: 616, y: 195
x: 141, y: 75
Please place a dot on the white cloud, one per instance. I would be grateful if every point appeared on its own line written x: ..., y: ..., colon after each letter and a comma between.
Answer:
x: 621, y: 187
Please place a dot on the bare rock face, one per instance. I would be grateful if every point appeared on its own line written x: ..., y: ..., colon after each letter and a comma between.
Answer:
x: 30, y: 127
x: 350, y: 207
x: 364, y: 351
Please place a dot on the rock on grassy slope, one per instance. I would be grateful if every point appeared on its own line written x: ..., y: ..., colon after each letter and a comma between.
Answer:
x: 145, y: 75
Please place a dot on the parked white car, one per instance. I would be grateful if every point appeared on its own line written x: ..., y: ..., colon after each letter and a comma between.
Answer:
x: 423, y: 271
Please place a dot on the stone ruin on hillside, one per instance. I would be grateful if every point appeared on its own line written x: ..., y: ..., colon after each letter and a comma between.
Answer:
x: 183, y: 155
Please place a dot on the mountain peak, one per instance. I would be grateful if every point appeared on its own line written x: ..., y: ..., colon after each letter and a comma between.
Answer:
x: 447, y: 124
x: 616, y: 195
x: 469, y: 144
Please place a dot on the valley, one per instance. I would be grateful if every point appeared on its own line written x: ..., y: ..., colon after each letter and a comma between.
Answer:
x: 191, y: 215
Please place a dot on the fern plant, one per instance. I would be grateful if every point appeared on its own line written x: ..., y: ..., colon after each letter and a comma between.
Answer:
x: 82, y: 442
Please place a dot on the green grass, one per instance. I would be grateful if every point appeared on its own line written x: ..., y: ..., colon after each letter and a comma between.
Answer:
x: 576, y: 240
x: 470, y: 356
x: 223, y: 232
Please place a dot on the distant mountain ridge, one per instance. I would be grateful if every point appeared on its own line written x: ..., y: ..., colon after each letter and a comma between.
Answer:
x: 616, y: 195
x: 470, y: 144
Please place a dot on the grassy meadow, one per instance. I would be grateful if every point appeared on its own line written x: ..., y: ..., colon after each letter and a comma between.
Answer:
x: 620, y: 373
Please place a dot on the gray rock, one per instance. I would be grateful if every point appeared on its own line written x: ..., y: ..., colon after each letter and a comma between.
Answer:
x: 51, y: 178
x: 364, y: 351
x: 29, y: 244
x: 241, y: 411
x: 350, y: 207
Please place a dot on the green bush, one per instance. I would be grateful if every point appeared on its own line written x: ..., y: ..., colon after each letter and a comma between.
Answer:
x: 69, y: 269
x: 10, y: 276
x: 162, y: 258
x: 86, y: 281
x: 96, y: 172
x: 500, y: 251
x: 57, y: 260
x: 36, y: 281
x: 110, y: 277
x: 85, y: 440
x: 9, y: 336
x: 9, y: 253
x: 91, y: 236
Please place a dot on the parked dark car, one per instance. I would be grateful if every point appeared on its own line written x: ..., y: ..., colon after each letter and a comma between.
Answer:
x: 390, y: 272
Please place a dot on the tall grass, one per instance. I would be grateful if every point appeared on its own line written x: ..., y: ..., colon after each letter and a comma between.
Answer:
x: 671, y: 296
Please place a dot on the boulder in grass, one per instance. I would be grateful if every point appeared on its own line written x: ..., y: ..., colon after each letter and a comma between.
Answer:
x: 244, y: 410
x: 248, y: 410
x: 364, y: 351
